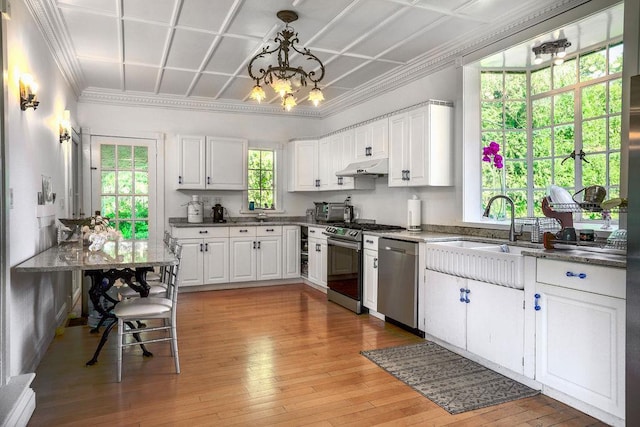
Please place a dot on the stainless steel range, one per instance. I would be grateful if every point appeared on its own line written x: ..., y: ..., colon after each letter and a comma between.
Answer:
x: 344, y: 262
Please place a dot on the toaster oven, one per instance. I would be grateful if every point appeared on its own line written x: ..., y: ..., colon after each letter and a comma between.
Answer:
x: 329, y: 212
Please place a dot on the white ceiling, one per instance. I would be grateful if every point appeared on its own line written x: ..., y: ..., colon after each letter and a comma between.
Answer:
x: 194, y: 53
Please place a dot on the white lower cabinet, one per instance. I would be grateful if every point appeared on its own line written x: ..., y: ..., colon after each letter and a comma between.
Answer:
x: 290, y: 252
x: 255, y: 253
x: 317, y: 256
x: 370, y: 273
x: 484, y: 319
x: 580, y: 332
x: 205, y: 255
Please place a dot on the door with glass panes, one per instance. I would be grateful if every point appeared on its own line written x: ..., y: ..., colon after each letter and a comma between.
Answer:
x: 123, y: 184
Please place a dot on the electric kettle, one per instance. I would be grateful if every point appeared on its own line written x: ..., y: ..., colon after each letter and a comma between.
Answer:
x: 218, y: 213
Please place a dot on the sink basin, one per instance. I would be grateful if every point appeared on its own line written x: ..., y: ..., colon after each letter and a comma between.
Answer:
x: 498, y: 264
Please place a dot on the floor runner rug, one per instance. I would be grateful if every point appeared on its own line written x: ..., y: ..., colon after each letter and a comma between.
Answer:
x: 455, y: 383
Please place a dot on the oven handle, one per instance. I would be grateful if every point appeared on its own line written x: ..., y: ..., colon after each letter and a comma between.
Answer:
x: 340, y: 243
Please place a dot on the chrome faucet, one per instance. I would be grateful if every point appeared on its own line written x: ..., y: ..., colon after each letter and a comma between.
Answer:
x: 512, y: 229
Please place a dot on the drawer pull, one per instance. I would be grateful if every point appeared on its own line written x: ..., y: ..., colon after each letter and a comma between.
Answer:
x: 203, y: 231
x: 536, y: 306
x: 578, y: 275
x: 312, y: 231
x: 369, y: 241
x: 270, y: 229
x: 243, y: 231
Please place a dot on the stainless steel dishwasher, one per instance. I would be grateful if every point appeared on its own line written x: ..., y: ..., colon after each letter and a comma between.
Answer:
x: 398, y: 281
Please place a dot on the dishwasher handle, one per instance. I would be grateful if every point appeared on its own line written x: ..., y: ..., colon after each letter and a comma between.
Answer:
x: 399, y: 250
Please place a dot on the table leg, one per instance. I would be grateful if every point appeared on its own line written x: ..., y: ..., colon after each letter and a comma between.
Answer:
x: 101, y: 282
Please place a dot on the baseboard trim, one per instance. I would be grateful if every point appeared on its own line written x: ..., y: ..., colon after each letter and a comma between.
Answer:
x: 17, y: 401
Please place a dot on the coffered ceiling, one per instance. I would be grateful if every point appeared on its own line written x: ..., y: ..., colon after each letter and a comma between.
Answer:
x: 194, y: 53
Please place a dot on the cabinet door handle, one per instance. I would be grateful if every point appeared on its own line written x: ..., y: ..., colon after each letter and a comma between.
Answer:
x: 317, y: 247
x: 254, y: 245
x: 536, y: 306
x: 258, y: 245
x: 339, y: 180
x: 466, y: 298
x: 206, y: 247
x: 408, y: 175
x: 201, y: 247
x: 375, y: 263
x: 461, y: 294
x: 578, y: 275
x: 208, y: 180
x: 179, y: 179
x: 203, y: 231
x: 317, y: 183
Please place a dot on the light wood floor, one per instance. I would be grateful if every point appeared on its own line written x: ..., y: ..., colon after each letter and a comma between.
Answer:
x: 276, y: 355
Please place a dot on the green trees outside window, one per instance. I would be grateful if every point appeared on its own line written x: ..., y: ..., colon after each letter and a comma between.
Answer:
x: 261, y: 179
x: 124, y: 194
x: 541, y: 116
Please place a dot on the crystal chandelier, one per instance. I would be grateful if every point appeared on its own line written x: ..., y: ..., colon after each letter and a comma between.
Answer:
x: 283, y: 77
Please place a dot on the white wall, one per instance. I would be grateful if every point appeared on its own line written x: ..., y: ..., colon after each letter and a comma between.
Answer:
x: 36, y: 301
x: 261, y: 131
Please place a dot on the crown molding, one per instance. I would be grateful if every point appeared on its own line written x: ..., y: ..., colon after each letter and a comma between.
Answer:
x: 103, y: 96
x: 50, y: 22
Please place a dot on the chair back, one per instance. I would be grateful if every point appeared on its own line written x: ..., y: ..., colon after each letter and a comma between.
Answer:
x: 167, y: 237
x: 173, y: 275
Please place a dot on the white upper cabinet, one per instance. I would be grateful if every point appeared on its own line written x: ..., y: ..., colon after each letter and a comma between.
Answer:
x: 226, y: 163
x: 212, y: 163
x: 191, y: 172
x: 372, y: 140
x: 303, y: 165
x: 314, y: 163
x: 421, y: 147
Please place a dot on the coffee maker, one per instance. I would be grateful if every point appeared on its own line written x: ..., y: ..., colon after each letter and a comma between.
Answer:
x: 218, y: 213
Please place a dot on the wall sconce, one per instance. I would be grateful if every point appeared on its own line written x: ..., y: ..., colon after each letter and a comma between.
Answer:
x: 65, y: 127
x: 555, y: 48
x: 28, y: 89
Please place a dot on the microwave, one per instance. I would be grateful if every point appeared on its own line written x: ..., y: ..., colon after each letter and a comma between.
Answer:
x: 329, y: 212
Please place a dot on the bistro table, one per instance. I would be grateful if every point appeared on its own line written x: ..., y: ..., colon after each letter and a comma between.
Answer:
x: 118, y: 260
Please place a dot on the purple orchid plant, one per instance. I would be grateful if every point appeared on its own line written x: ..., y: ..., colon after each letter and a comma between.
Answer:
x: 490, y: 153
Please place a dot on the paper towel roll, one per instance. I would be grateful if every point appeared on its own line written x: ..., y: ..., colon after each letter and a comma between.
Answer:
x: 414, y: 214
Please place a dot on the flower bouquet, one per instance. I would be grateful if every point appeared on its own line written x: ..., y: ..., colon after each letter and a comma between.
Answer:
x: 98, y: 231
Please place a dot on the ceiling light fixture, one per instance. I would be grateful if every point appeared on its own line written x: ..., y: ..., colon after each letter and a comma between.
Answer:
x: 282, y: 77
x: 555, y: 48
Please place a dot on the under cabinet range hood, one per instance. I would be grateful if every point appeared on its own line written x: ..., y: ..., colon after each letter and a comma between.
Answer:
x: 366, y: 168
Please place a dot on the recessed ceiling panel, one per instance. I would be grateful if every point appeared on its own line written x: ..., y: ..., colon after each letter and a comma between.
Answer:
x: 209, y: 85
x: 395, y: 32
x: 495, y: 10
x: 188, y: 49
x: 93, y: 36
x: 449, y: 5
x: 256, y: 18
x: 365, y: 73
x: 314, y: 16
x: 204, y: 14
x: 363, y: 19
x: 100, y: 6
x: 150, y: 10
x: 336, y: 69
x: 176, y: 82
x: 231, y: 54
x: 240, y: 88
x: 144, y: 43
x: 139, y: 78
x: 101, y: 74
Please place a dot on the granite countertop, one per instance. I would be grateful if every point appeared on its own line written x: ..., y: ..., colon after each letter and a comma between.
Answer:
x: 439, y: 234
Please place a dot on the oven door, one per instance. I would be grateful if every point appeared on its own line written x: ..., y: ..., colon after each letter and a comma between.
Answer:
x: 344, y: 265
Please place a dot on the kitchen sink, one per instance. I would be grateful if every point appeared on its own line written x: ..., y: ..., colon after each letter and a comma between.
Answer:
x: 487, y: 262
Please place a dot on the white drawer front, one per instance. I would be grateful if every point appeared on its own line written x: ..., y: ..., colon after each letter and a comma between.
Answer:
x: 269, y: 230
x: 242, y: 231
x: 316, y: 232
x: 370, y: 242
x: 597, y: 279
x: 199, y: 232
